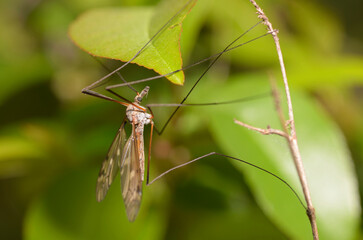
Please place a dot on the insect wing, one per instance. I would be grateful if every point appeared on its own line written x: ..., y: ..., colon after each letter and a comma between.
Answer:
x: 131, y: 179
x: 111, y: 164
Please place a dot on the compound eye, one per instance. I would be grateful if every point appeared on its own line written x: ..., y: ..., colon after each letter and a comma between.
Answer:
x: 139, y: 99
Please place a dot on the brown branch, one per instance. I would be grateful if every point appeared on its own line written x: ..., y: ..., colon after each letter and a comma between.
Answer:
x: 267, y: 131
x: 276, y: 96
x: 288, y: 133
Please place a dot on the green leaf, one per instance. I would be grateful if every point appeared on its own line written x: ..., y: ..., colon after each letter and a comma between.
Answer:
x: 326, y: 159
x: 119, y: 33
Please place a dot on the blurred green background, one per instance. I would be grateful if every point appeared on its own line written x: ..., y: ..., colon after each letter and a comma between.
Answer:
x: 53, y: 138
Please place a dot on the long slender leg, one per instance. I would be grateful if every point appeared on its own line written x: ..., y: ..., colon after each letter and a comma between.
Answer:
x: 149, y: 154
x: 88, y: 89
x: 233, y: 158
x: 96, y: 94
x: 250, y: 98
x: 196, y: 63
x: 244, y: 99
x: 154, y: 127
x: 99, y: 82
x: 195, y: 84
x: 109, y: 70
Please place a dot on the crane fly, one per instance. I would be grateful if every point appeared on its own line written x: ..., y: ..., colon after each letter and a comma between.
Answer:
x: 127, y: 157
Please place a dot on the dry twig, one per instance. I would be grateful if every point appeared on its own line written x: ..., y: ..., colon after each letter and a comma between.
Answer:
x: 288, y: 133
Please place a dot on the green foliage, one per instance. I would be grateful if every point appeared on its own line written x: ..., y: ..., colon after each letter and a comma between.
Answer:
x: 53, y: 138
x: 322, y: 147
x: 119, y: 33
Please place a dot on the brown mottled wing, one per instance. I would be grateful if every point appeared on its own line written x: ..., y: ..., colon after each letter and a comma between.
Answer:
x: 131, y: 181
x: 111, y: 164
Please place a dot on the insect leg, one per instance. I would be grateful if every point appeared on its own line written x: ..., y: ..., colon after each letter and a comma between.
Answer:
x: 149, y: 154
x: 236, y: 159
x: 101, y: 81
x: 244, y: 99
x: 88, y: 89
x: 228, y: 49
x: 198, y: 80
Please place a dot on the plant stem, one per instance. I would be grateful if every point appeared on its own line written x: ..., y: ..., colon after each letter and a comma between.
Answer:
x: 290, y: 135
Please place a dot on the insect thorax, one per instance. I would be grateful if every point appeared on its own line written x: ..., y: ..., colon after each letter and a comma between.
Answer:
x: 138, y: 115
